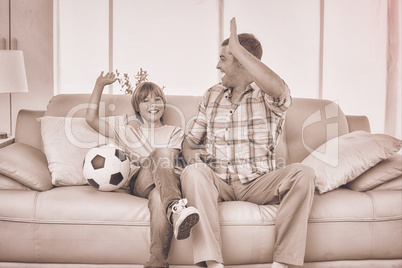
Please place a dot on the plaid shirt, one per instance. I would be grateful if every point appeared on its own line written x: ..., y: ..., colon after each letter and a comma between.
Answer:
x: 242, y: 136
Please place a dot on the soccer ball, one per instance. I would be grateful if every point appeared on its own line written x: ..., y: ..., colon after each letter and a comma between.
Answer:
x: 106, y: 168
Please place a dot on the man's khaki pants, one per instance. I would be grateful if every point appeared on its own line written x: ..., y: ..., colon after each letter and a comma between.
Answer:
x: 292, y: 187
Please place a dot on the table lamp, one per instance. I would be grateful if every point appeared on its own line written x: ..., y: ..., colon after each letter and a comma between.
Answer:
x: 12, y: 77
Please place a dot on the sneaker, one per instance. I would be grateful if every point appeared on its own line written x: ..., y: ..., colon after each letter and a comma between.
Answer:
x: 184, y: 219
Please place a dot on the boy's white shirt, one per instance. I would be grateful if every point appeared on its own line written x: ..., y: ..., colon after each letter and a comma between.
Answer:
x: 164, y: 137
x: 142, y: 141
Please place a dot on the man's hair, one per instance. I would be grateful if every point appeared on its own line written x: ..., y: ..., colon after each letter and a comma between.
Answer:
x: 142, y: 91
x: 250, y: 43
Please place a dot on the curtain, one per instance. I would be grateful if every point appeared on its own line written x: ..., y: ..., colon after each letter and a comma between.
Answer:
x: 394, y: 72
x: 354, y: 57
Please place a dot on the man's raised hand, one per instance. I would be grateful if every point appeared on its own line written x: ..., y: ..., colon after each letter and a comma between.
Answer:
x: 233, y: 39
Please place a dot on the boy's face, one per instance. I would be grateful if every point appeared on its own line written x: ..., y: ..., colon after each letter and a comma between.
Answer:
x: 151, y: 109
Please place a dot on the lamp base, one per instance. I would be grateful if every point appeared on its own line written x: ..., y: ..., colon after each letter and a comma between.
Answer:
x: 3, y: 135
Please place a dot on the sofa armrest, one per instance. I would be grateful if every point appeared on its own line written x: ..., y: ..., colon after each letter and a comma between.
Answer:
x: 5, y: 142
x: 27, y: 130
x: 358, y: 122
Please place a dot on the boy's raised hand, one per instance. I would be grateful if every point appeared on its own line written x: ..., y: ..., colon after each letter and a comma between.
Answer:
x: 106, y: 79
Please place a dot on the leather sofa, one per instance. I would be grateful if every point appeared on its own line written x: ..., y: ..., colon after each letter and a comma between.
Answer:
x: 78, y: 226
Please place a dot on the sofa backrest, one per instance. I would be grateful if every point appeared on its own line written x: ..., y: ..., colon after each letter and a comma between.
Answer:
x: 180, y: 110
x: 75, y: 105
x: 309, y: 122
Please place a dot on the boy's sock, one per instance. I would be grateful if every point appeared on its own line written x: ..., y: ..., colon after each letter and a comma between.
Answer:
x: 214, y: 264
x: 279, y: 265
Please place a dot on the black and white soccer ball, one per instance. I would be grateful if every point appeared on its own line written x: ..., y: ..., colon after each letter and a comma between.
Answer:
x: 106, y: 168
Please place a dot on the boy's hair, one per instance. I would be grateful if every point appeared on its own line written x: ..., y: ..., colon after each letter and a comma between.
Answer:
x: 142, y: 91
x: 249, y: 42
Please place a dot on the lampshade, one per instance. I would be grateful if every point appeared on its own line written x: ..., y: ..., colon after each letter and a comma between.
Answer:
x: 12, y: 72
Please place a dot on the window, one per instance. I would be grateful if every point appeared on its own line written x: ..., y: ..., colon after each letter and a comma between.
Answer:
x: 333, y: 49
x: 176, y: 42
x: 290, y: 38
x: 82, y: 45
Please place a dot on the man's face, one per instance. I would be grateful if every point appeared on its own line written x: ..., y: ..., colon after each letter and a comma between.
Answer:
x: 232, y: 70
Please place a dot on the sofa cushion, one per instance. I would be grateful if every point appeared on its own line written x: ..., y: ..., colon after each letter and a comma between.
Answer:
x: 26, y: 165
x: 382, y: 172
x: 342, y: 159
x: 66, y: 141
x: 355, y: 225
x: 113, y: 227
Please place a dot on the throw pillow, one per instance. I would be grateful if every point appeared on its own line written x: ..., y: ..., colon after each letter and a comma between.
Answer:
x: 342, y: 159
x: 7, y: 183
x: 395, y: 184
x: 25, y: 165
x: 384, y: 171
x: 66, y: 141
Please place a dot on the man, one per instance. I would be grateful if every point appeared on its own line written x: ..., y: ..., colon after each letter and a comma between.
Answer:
x: 230, y: 152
